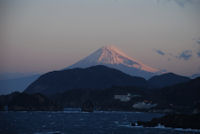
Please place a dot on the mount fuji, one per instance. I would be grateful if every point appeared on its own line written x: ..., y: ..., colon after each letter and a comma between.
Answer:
x: 113, y: 57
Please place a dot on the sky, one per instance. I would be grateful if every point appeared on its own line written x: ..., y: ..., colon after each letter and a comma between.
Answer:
x: 38, y: 36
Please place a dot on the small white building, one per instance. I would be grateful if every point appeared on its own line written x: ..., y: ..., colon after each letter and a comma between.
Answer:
x: 144, y: 105
x: 123, y: 98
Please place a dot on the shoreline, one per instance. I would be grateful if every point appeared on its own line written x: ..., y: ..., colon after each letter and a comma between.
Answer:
x: 95, y: 111
x: 110, y: 112
x: 168, y: 128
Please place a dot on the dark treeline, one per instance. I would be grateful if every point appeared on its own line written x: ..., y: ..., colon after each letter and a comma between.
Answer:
x: 26, y: 102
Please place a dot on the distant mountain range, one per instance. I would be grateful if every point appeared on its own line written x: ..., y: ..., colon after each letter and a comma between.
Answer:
x: 195, y: 76
x: 113, y: 57
x: 16, y: 84
x: 111, y: 89
x: 96, y: 77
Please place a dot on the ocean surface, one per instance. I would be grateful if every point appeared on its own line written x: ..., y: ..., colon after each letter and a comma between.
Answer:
x: 72, y: 121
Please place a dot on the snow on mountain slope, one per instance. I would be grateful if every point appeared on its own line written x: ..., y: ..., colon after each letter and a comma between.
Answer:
x: 113, y: 57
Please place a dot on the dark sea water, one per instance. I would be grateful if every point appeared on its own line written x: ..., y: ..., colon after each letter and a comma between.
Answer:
x: 76, y: 122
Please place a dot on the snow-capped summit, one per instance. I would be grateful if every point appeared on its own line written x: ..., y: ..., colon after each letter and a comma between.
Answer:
x: 113, y: 57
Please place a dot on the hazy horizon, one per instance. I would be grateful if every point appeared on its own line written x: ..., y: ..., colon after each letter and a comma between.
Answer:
x: 45, y: 35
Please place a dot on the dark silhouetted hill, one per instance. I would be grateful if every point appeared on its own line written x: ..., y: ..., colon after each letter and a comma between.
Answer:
x: 96, y: 77
x: 167, y: 79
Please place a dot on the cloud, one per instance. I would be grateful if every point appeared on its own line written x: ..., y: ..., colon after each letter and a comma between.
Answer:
x: 198, y: 47
x: 185, y: 55
x: 160, y: 52
x: 181, y: 3
x: 198, y: 54
x: 198, y: 41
